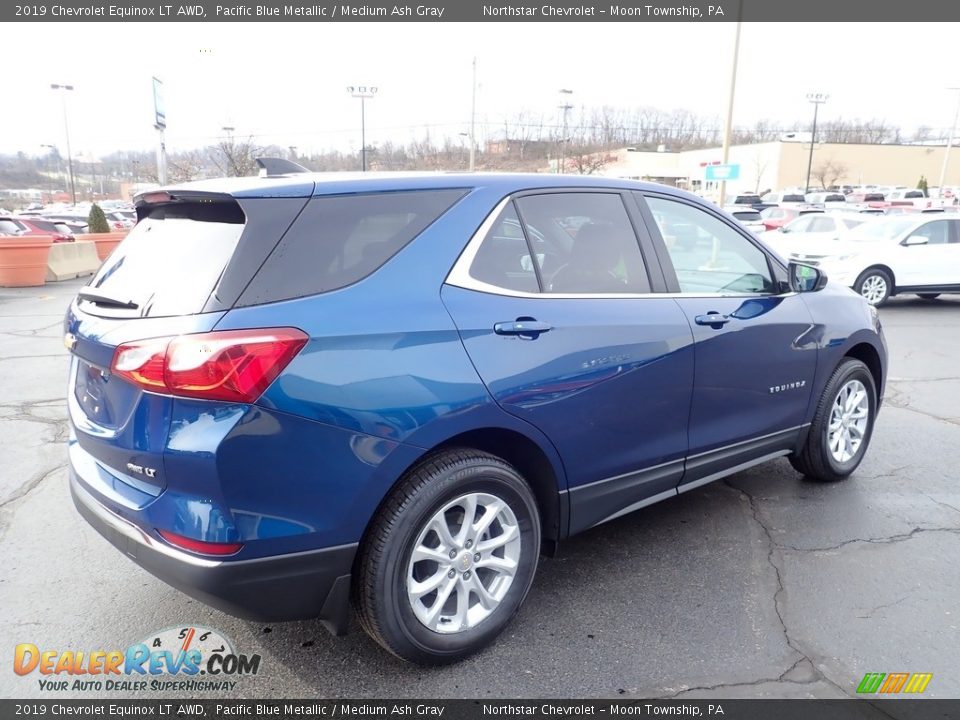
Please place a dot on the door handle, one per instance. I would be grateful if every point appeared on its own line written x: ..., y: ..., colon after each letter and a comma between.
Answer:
x: 713, y: 319
x: 522, y: 327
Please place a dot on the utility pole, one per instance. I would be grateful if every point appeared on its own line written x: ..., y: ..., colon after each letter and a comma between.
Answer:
x: 817, y: 99
x: 473, y: 119
x: 565, y: 108
x: 728, y: 127
x: 66, y: 130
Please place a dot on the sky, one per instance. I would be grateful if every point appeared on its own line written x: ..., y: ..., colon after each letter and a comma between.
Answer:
x: 285, y: 83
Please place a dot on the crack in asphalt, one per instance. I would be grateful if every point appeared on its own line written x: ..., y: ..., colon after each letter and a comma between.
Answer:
x: 881, y: 607
x: 23, y: 413
x: 31, y: 484
x: 940, y: 502
x: 909, y: 408
x: 887, y: 540
x: 773, y: 546
x: 782, y: 677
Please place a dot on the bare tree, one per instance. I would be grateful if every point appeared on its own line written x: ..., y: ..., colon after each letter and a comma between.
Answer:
x: 235, y: 157
x: 828, y: 172
x: 186, y: 166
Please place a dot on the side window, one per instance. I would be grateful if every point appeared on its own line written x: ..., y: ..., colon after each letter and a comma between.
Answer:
x: 590, y: 245
x: 819, y: 223
x: 937, y: 232
x: 801, y: 224
x: 503, y: 259
x: 708, y: 255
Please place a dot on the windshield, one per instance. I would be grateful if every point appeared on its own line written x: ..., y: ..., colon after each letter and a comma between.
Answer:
x: 880, y: 230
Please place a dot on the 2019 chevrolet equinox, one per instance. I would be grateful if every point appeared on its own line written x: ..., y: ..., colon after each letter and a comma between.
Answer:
x: 294, y: 393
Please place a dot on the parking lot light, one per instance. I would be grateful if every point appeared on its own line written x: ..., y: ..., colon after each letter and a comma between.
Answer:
x: 66, y: 129
x: 364, y: 92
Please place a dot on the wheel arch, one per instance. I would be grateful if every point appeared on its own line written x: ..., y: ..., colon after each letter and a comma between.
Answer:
x: 533, y: 463
x: 869, y: 356
x: 888, y: 270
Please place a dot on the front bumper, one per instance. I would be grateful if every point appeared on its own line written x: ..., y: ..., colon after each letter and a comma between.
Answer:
x: 294, y: 586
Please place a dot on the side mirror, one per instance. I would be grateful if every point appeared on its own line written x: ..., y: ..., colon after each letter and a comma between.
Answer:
x: 806, y: 278
x: 916, y: 240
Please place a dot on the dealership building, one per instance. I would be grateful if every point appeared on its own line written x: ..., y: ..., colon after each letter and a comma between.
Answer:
x: 783, y: 165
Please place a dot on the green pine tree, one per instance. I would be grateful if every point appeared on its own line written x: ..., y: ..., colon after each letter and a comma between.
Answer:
x: 97, y: 221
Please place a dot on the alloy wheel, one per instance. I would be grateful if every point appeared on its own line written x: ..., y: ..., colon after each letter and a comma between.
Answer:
x: 463, y: 562
x: 849, y: 417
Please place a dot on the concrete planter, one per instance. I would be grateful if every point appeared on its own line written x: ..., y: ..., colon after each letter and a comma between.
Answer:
x: 23, y: 260
x: 105, y: 242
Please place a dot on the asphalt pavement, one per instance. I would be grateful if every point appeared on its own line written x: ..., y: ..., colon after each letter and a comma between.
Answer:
x: 762, y: 585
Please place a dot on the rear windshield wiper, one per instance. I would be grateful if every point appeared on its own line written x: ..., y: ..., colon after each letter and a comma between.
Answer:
x: 95, y: 296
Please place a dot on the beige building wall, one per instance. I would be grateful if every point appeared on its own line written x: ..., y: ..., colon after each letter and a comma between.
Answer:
x: 868, y: 164
x: 783, y: 165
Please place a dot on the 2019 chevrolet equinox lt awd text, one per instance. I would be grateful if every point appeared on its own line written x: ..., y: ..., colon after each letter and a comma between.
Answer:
x: 294, y: 393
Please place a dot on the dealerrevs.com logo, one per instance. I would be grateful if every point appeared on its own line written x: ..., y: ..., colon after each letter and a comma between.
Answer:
x: 189, y: 659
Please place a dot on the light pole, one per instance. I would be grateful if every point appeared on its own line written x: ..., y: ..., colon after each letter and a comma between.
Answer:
x: 53, y: 150
x: 364, y: 92
x: 817, y: 99
x: 565, y: 108
x: 728, y: 126
x: 946, y: 154
x: 66, y: 129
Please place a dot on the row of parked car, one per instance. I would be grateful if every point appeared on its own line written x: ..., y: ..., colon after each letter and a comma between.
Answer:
x: 877, y: 255
x: 63, y: 223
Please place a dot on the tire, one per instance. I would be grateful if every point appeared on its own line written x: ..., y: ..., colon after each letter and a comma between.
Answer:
x: 388, y: 587
x: 875, y: 285
x: 928, y: 296
x: 818, y: 459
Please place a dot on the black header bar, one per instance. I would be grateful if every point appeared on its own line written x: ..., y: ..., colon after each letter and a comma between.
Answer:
x: 851, y: 11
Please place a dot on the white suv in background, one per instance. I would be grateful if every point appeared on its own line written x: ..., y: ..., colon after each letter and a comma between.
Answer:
x: 898, y: 254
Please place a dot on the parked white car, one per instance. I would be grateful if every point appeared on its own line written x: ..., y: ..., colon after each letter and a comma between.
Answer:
x: 785, y: 199
x: 826, y: 199
x: 747, y: 216
x: 812, y: 236
x: 895, y: 255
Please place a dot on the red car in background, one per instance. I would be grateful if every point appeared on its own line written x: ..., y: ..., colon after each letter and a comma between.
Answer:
x: 776, y: 217
x: 32, y: 225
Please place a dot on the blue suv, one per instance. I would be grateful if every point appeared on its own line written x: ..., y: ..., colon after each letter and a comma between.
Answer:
x: 296, y: 393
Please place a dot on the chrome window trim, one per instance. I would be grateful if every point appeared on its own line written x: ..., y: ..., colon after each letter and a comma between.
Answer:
x: 459, y: 275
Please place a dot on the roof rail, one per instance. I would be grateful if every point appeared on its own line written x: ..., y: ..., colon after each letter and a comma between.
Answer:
x: 272, y: 167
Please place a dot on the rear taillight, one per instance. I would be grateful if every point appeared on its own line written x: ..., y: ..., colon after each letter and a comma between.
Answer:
x: 231, y: 365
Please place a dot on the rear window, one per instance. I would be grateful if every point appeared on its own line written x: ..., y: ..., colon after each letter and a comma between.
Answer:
x: 339, y: 240
x: 9, y: 227
x: 793, y: 198
x: 835, y: 198
x: 45, y: 226
x: 171, y: 261
x: 747, y: 216
x: 873, y: 197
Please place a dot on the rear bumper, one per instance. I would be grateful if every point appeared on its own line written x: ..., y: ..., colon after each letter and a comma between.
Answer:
x: 295, y: 586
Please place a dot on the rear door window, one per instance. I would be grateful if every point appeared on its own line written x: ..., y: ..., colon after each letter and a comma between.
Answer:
x: 339, y: 240
x: 594, y: 249
x: 171, y: 261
